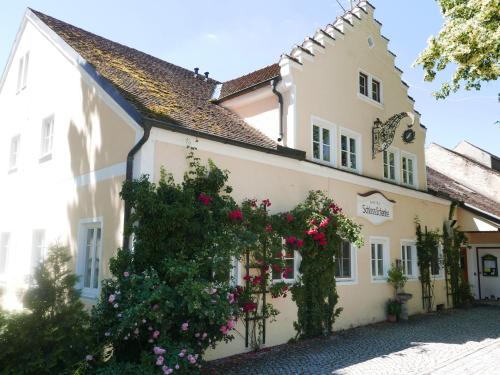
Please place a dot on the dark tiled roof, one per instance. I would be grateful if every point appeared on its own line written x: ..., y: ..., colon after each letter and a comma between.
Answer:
x: 440, y: 183
x: 248, y: 80
x: 156, y: 88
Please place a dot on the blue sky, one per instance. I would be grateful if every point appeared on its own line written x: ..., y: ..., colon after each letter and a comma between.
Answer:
x: 231, y: 38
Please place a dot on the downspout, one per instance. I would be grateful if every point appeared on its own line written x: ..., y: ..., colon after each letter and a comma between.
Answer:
x: 280, y: 103
x: 128, y: 177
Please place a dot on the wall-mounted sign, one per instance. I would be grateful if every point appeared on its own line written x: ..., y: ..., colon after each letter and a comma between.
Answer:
x: 490, y: 265
x: 375, y: 207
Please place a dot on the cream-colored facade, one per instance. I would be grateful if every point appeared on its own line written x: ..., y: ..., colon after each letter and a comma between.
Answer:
x: 77, y: 187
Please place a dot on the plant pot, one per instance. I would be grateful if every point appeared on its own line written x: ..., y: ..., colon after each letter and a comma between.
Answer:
x: 392, y: 318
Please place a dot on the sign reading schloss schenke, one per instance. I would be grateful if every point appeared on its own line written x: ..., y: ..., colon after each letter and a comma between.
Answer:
x: 375, y: 207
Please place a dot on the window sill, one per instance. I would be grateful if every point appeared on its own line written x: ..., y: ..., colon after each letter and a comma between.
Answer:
x: 370, y: 101
x: 346, y: 281
x: 90, y: 294
x: 357, y: 171
x: 12, y: 170
x: 379, y: 280
x: 45, y: 158
x: 409, y: 186
x: 328, y: 163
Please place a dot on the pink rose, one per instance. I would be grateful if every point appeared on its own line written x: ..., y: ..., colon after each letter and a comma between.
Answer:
x: 156, y: 334
x: 159, y: 361
x: 185, y: 326
x: 158, y: 350
x: 126, y: 274
x: 111, y: 298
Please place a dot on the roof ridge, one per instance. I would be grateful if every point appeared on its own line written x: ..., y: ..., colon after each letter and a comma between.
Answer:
x: 469, y: 159
x: 38, y: 13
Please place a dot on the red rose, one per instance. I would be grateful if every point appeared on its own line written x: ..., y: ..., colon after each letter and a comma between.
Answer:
x: 289, y: 217
x: 249, y: 306
x: 300, y: 243
x: 291, y: 240
x: 205, y: 199
x: 324, y: 222
x: 235, y: 215
x: 268, y: 228
x: 266, y: 203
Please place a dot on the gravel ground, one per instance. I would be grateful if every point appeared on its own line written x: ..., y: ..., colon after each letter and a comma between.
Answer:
x: 449, y: 342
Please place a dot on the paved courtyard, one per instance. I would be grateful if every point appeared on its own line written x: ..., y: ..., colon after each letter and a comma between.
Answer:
x: 451, y: 342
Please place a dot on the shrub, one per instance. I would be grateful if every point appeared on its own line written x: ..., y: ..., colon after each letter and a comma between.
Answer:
x: 170, y: 298
x: 51, y: 336
x: 396, y: 277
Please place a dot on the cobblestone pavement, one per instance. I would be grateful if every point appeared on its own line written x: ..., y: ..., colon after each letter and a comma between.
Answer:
x: 452, y: 342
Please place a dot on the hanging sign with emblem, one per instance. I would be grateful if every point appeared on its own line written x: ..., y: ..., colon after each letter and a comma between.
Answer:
x: 375, y: 207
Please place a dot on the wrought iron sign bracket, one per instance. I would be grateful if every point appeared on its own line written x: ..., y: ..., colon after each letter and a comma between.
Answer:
x: 383, y: 133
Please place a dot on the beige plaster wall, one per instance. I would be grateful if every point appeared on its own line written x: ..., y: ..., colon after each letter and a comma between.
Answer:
x: 83, y: 176
x: 364, y: 301
x: 327, y: 86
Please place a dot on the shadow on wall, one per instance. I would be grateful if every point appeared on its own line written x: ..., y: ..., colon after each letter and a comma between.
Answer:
x: 90, y: 150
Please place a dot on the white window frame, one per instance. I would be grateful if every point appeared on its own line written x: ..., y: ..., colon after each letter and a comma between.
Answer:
x: 22, y: 72
x: 414, y: 259
x: 14, y: 154
x: 235, y: 273
x: 321, y: 123
x: 372, y: 92
x: 46, y: 154
x: 4, y: 251
x: 368, y: 98
x: 413, y: 157
x: 386, y: 261
x: 397, y: 158
x: 367, y: 82
x: 354, y: 268
x: 359, y: 146
x: 37, y: 247
x: 84, y: 225
x: 296, y: 264
x: 440, y: 275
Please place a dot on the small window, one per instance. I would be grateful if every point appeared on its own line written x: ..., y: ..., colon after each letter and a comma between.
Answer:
x: 290, y: 261
x: 390, y: 165
x: 235, y: 273
x: 363, y: 84
x: 38, y: 250
x: 379, y: 258
x: 408, y: 170
x: 349, y: 152
x: 409, y: 259
x: 436, y: 262
x: 322, y: 143
x: 371, y: 43
x: 343, y: 261
x: 4, y: 251
x: 22, y: 73
x: 91, y: 255
x: 376, y: 90
x: 47, y: 137
x: 14, y: 152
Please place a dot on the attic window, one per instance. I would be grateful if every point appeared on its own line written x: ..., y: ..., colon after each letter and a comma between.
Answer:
x: 371, y: 43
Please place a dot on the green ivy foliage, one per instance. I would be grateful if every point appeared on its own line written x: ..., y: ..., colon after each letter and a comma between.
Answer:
x: 52, y: 335
x: 170, y: 297
x: 316, y: 228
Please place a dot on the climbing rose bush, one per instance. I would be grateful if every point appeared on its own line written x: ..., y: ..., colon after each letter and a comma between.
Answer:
x: 171, y: 298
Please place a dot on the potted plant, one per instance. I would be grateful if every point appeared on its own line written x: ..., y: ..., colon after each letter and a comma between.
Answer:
x: 397, y: 278
x: 393, y: 310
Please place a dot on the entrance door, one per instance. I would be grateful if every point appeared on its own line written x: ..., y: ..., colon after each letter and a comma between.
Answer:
x: 489, y: 276
x: 463, y: 264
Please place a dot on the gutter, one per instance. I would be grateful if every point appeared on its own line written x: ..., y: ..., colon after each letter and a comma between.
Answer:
x: 129, y: 175
x: 274, y: 83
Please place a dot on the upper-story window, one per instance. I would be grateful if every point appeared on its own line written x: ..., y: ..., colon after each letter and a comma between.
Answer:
x: 375, y: 90
x: 22, y: 74
x: 390, y: 158
x: 350, y: 150
x: 47, y: 135
x: 408, y: 168
x: 4, y: 251
x: 370, y: 88
x: 14, y: 152
x: 323, y: 140
x: 363, y: 84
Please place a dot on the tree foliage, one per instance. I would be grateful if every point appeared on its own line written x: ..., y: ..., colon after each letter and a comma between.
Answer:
x: 469, y: 39
x: 51, y: 336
